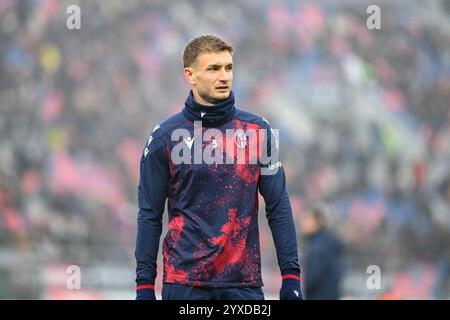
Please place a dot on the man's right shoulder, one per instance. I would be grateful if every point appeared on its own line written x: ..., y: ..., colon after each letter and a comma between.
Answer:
x: 167, y: 125
x: 161, y: 131
x: 164, y: 128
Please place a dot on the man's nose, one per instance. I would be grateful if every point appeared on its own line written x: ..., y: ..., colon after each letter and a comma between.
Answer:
x: 225, y: 76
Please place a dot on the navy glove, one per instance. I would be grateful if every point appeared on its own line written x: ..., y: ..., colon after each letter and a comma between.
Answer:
x: 290, y: 288
x: 145, y: 292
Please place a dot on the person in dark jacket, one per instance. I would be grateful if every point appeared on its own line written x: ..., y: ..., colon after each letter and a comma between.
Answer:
x: 323, y: 256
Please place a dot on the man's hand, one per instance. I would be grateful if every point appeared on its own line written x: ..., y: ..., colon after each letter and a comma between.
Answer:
x: 145, y: 292
x: 290, y: 288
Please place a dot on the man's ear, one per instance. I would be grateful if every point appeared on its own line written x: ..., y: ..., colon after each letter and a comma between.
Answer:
x: 189, y: 75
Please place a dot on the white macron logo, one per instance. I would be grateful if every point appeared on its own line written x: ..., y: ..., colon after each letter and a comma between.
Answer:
x: 296, y: 293
x: 189, y: 141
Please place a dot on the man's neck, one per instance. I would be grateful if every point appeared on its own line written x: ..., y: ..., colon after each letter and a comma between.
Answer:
x: 200, y: 100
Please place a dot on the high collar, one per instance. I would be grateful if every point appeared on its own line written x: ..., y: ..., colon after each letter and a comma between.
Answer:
x: 211, y: 116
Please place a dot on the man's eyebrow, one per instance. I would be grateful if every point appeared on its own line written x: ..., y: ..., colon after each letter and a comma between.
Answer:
x: 219, y: 65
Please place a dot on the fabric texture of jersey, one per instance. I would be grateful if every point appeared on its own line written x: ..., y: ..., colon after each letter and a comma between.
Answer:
x: 212, y: 238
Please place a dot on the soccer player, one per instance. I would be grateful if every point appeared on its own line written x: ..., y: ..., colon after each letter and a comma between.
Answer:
x: 211, y: 250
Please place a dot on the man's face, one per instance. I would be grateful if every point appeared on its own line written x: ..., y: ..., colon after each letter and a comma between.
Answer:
x: 308, y: 223
x: 211, y: 77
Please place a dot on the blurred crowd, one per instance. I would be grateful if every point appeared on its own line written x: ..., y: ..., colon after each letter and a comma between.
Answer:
x: 364, y: 119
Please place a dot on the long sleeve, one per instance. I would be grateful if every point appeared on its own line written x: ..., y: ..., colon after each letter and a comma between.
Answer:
x: 272, y: 186
x: 152, y: 193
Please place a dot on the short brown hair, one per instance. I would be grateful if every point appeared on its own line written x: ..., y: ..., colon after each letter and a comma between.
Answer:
x: 203, y: 44
x: 319, y: 211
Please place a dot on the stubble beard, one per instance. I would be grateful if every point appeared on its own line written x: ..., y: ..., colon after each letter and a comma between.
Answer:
x: 211, y: 99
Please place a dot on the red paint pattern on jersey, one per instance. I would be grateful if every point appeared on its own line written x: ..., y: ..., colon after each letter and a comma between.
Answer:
x: 232, y: 241
x: 176, y: 225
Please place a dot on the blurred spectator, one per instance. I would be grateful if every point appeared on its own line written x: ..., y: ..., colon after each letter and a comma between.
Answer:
x: 322, y: 256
